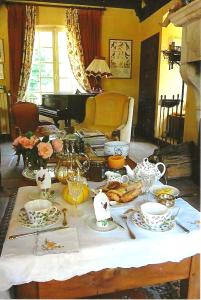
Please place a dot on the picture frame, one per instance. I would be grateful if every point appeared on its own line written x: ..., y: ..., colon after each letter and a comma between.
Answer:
x: 1, y: 71
x: 120, y: 58
x: 1, y: 51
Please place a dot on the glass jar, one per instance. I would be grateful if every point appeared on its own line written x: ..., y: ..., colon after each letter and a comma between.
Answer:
x: 96, y: 171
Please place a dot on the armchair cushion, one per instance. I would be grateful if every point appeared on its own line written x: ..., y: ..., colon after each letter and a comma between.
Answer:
x: 108, y: 112
x: 110, y: 109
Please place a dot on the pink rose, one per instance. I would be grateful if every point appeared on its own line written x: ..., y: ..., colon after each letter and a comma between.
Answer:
x: 45, y: 150
x: 57, y: 145
x: 26, y: 143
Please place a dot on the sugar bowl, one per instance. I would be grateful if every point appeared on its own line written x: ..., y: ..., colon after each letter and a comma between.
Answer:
x: 166, y: 199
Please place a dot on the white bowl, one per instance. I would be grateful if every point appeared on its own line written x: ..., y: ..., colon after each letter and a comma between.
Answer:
x: 156, y: 190
x: 116, y: 148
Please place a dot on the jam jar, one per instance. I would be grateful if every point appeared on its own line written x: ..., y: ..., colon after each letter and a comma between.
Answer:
x: 97, y: 170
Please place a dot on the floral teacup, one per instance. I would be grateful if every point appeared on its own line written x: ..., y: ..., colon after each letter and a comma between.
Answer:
x: 39, y: 211
x: 155, y: 214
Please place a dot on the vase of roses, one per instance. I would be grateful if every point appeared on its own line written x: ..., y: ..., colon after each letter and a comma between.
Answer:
x: 36, y: 152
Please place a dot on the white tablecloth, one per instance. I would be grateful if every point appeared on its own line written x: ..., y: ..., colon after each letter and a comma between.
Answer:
x: 97, y: 250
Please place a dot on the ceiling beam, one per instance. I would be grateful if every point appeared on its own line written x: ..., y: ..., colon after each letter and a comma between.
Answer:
x: 129, y: 4
x: 142, y: 11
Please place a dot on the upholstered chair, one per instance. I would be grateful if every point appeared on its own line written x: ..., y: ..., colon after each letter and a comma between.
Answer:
x: 24, y: 118
x: 109, y: 112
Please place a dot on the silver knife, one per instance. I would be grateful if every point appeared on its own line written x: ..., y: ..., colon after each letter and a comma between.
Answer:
x: 12, y: 237
x: 182, y: 227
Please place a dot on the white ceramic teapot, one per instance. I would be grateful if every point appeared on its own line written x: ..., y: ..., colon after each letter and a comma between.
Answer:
x: 146, y: 169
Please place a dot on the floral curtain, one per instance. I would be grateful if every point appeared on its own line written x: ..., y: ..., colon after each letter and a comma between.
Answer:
x: 74, y: 48
x: 27, y: 51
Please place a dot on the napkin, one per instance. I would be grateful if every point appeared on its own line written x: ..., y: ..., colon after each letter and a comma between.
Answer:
x: 188, y: 216
x: 65, y: 240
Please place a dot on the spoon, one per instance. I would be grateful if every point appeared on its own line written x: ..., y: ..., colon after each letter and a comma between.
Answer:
x: 64, y: 210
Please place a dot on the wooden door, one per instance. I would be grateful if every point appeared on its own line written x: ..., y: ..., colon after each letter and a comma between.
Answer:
x: 147, y: 87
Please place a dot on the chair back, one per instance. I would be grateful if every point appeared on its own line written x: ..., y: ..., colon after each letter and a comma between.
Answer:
x: 25, y: 117
x: 111, y: 109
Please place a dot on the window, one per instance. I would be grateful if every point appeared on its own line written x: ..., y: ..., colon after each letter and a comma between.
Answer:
x: 51, y: 71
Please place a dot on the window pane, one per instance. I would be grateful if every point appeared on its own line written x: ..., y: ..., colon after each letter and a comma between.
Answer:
x: 46, y: 54
x: 34, y: 97
x: 34, y: 85
x: 62, y: 40
x: 63, y: 70
x: 46, y: 70
x: 45, y: 39
x: 65, y: 85
x: 35, y: 71
x: 47, y: 85
x: 36, y: 55
x: 63, y: 56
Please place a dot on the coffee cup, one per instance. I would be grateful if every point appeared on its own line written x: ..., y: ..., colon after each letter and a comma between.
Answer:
x: 155, y: 214
x: 39, y: 211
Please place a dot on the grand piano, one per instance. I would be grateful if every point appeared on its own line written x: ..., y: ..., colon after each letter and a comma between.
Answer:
x: 64, y: 107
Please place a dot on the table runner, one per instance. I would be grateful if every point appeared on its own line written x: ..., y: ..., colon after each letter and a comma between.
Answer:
x: 6, y: 219
x: 98, y: 250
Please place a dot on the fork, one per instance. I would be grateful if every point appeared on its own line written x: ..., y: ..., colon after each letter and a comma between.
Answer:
x: 132, y: 235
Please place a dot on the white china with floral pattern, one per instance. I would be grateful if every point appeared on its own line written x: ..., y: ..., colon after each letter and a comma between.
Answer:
x: 137, y: 219
x: 24, y: 220
x: 154, y: 214
x: 92, y: 223
x: 39, y: 210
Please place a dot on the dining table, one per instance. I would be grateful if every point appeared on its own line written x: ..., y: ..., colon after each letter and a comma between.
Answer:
x: 91, y: 261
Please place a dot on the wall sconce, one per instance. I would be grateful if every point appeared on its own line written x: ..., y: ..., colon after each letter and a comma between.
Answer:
x: 173, y: 54
x: 98, y: 68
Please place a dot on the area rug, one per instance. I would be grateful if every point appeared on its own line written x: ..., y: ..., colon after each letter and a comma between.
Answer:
x: 169, y: 290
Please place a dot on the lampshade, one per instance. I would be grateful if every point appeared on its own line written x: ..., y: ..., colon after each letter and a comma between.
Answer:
x: 98, y: 68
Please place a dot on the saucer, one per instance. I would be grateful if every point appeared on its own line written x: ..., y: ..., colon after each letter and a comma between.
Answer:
x: 137, y: 219
x: 24, y: 220
x: 37, y: 195
x: 91, y: 222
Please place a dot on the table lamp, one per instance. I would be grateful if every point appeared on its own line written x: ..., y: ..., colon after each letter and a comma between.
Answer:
x: 98, y: 68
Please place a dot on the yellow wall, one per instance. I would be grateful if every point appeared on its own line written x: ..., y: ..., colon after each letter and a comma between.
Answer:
x: 122, y: 24
x: 4, y: 37
x: 117, y: 24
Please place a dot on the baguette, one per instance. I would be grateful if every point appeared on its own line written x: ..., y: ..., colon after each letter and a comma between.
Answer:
x: 128, y: 196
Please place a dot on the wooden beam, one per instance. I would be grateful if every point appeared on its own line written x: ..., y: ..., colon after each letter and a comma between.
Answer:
x: 128, y: 4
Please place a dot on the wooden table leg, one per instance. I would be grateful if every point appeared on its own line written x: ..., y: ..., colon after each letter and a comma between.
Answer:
x: 194, y: 278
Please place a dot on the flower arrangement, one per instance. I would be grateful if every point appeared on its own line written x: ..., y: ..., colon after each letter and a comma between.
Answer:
x: 36, y: 151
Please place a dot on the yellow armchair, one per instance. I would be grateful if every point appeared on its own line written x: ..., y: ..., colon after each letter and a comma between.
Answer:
x: 108, y: 112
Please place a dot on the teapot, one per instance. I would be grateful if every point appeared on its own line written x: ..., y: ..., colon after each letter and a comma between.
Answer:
x: 146, y: 169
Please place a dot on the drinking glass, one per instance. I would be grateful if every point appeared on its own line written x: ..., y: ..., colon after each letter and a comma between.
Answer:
x: 75, y: 189
x: 147, y: 182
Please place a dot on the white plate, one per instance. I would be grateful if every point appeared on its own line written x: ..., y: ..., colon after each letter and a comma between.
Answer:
x: 136, y: 218
x: 91, y: 222
x: 168, y: 189
x: 116, y: 204
x: 24, y: 221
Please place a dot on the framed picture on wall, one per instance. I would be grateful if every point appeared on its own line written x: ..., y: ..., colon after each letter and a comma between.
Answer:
x: 1, y: 72
x: 120, y: 57
x: 1, y: 51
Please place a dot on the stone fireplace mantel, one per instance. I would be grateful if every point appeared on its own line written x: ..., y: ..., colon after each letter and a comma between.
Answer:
x: 189, y: 17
